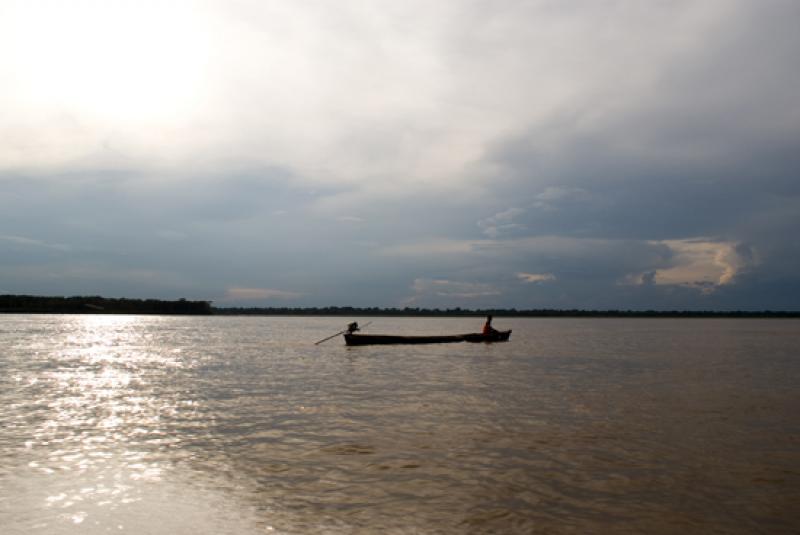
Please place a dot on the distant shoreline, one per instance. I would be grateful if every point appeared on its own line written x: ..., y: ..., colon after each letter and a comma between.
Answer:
x: 29, y: 304
x: 500, y: 313
x: 34, y: 304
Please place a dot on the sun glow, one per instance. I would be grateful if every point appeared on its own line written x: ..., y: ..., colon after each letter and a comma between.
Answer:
x: 112, y: 60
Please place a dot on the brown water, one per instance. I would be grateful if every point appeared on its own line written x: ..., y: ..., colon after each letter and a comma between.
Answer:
x: 151, y: 425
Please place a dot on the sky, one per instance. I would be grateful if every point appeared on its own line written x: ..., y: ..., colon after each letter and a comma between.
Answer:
x: 604, y: 154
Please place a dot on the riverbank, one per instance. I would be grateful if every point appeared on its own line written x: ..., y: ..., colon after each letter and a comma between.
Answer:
x: 30, y: 304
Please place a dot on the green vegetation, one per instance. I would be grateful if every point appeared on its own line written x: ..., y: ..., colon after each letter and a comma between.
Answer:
x: 28, y: 304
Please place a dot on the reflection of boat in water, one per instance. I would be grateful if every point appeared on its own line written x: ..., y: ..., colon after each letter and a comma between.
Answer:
x: 353, y: 339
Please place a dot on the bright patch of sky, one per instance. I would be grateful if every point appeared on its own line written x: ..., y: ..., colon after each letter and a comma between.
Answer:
x: 527, y: 154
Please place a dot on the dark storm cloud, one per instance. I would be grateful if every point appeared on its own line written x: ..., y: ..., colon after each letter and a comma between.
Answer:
x: 710, y: 152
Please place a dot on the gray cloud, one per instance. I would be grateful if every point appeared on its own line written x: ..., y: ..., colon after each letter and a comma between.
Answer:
x: 613, y: 154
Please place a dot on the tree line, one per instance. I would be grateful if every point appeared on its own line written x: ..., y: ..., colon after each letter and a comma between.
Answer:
x: 499, y: 312
x: 30, y: 304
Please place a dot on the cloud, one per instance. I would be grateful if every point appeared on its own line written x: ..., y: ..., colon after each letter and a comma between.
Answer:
x: 171, y: 235
x: 700, y: 263
x: 553, y: 196
x: 706, y: 264
x: 564, y: 256
x: 431, y: 247
x: 29, y: 242
x: 404, y: 93
x: 349, y: 219
x: 257, y: 294
x: 535, y: 277
x: 648, y: 278
x: 643, y: 154
x: 501, y: 223
x: 439, y: 290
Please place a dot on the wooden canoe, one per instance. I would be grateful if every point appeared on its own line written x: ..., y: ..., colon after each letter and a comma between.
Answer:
x: 354, y: 339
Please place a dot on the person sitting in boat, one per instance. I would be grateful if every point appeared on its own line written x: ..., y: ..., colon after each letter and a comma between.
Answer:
x: 487, y: 327
x: 352, y: 327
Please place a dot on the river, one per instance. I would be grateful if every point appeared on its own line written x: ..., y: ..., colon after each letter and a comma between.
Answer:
x: 207, y: 425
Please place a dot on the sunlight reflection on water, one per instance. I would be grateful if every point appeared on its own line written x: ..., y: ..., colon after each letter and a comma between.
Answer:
x: 208, y: 425
x: 96, y: 420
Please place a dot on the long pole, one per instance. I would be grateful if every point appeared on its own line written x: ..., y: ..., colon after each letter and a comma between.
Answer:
x: 331, y: 336
x: 337, y: 334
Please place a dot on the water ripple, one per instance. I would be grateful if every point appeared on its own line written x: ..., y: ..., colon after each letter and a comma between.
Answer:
x: 208, y: 425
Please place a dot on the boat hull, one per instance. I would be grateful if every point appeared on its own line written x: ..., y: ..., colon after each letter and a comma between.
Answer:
x: 353, y: 339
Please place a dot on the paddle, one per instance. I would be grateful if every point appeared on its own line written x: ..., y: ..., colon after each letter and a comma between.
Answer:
x: 331, y: 336
x: 337, y: 334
